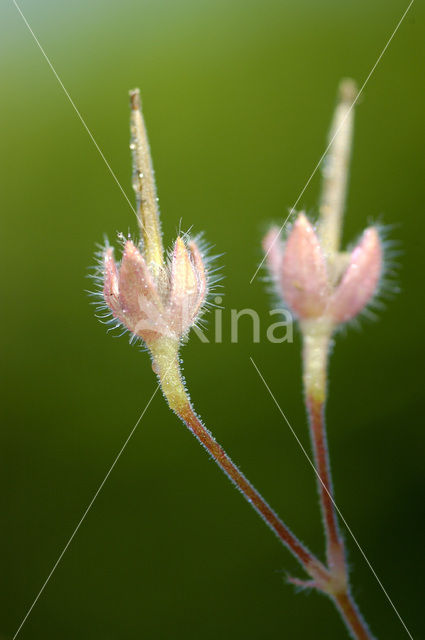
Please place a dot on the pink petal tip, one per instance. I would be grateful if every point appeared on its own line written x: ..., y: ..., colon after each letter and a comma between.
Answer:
x: 360, y: 281
x: 303, y: 276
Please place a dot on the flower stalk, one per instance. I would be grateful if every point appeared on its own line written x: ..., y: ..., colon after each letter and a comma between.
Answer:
x: 317, y: 333
x: 325, y: 287
x: 158, y: 300
x: 316, y: 341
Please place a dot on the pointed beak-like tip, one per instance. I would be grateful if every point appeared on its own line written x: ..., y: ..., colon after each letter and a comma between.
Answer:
x: 347, y: 90
x: 135, y: 101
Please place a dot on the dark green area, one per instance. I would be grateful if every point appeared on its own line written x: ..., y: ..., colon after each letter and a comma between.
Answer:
x: 238, y: 97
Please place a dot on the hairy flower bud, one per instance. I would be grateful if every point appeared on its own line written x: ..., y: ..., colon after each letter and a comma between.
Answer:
x: 301, y: 271
x: 151, y: 303
x: 360, y: 280
x: 150, y: 296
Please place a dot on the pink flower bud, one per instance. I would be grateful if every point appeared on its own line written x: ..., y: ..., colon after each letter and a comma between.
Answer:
x: 154, y: 304
x: 188, y: 285
x: 360, y: 280
x: 299, y: 268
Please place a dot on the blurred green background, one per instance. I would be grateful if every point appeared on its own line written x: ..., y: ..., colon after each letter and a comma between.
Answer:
x: 238, y: 97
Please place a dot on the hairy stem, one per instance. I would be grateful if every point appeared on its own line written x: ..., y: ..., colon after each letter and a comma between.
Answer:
x: 316, y: 344
x: 315, y: 357
x: 166, y: 365
x: 329, y: 581
x: 335, y: 551
x: 351, y: 616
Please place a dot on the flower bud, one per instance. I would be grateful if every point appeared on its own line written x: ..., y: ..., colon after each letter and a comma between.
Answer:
x: 152, y: 304
x: 360, y: 280
x: 301, y: 270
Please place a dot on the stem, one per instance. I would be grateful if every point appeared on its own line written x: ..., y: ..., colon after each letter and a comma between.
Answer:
x: 248, y: 491
x: 317, y: 337
x: 316, y: 343
x: 166, y: 365
x: 335, y: 551
x: 351, y: 616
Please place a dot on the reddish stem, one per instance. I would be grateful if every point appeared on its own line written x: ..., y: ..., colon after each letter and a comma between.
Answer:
x: 334, y: 542
x: 322, y: 578
x: 352, y: 617
x: 326, y: 579
x: 315, y: 360
x: 336, y: 557
x: 313, y: 566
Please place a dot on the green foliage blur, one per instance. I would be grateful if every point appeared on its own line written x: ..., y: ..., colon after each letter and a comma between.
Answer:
x: 238, y: 98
